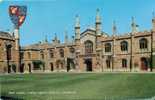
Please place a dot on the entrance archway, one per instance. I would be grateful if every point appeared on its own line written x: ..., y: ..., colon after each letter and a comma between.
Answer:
x: 22, y: 68
x: 60, y: 64
x: 9, y: 69
x: 70, y: 64
x: 144, y: 63
x: 88, y: 63
x: 14, y: 68
x: 29, y: 67
x: 51, y: 65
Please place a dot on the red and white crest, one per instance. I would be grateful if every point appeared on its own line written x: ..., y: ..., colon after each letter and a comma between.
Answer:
x: 17, y: 15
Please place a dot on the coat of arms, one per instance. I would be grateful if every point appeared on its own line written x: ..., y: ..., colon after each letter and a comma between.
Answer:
x: 17, y: 14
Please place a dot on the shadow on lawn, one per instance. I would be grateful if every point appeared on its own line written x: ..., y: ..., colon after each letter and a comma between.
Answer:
x: 9, y: 98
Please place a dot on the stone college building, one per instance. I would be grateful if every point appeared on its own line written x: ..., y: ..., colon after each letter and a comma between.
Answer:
x: 90, y: 50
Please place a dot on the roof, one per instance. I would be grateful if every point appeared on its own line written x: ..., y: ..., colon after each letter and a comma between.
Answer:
x: 37, y: 47
x: 88, y: 30
x: 5, y: 35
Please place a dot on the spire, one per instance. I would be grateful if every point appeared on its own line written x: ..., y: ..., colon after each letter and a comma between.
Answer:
x: 134, y: 26
x: 153, y: 21
x: 55, y: 37
x: 77, y: 27
x: 46, y: 39
x: 98, y: 23
x: 153, y: 15
x: 98, y: 17
x: 77, y: 21
x: 55, y: 40
x: 114, y: 28
x: 72, y: 39
x: 66, y: 36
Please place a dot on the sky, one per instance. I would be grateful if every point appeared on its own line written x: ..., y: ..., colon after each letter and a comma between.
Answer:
x: 47, y: 17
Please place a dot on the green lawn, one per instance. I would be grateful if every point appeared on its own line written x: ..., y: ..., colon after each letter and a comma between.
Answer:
x: 69, y: 86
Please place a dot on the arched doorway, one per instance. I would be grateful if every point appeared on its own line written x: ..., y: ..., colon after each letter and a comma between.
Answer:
x: 60, y: 64
x: 51, y: 65
x: 14, y: 68
x: 29, y: 65
x: 144, y: 63
x: 70, y: 64
x: 88, y: 63
x: 9, y: 69
x: 22, y: 68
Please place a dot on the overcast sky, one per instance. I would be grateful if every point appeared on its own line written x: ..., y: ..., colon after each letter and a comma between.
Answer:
x: 47, y: 17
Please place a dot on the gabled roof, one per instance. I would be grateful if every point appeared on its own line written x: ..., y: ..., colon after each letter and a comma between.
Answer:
x: 88, y: 30
x: 92, y: 30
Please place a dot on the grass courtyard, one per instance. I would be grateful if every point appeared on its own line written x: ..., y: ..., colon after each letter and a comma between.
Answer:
x: 70, y: 86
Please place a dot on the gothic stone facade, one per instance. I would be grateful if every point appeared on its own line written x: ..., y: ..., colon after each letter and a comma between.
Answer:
x: 90, y: 50
x: 9, y: 56
x: 93, y: 50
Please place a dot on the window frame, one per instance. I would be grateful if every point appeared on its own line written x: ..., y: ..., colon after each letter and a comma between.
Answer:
x: 143, y: 43
x: 51, y: 54
x: 108, y: 63
x: 124, y: 63
x: 88, y: 47
x: 108, y: 47
x: 61, y: 52
x: 124, y: 46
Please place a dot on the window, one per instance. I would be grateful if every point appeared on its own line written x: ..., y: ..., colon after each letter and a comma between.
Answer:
x: 72, y: 50
x: 8, y: 47
x: 108, y: 47
x: 42, y: 54
x: 88, y: 47
x: 61, y: 52
x: 108, y: 63
x: 124, y: 63
x: 22, y: 55
x: 51, y: 54
x: 124, y: 46
x: 143, y: 43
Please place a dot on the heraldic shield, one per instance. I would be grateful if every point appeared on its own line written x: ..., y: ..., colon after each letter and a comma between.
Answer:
x: 17, y: 14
